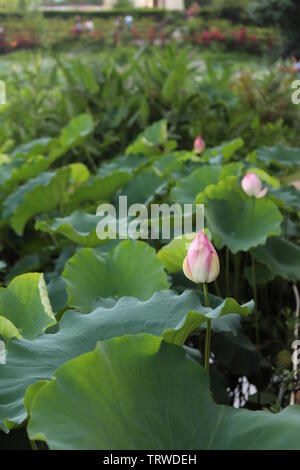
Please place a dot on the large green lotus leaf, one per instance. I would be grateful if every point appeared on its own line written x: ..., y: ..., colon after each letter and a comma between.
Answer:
x: 142, y: 188
x: 172, y: 255
x: 224, y: 151
x: 166, y: 313
x: 37, y: 196
x: 33, y: 148
x: 186, y: 190
x: 97, y: 189
x: 56, y: 285
x: 127, y: 163
x: 238, y: 221
x: 30, y: 161
x: 18, y: 171
x: 281, y: 257
x: 79, y: 227
x: 138, y: 392
x: 150, y: 141
x: 77, y: 130
x: 170, y: 163
x: 131, y: 269
x: 280, y: 156
x: 287, y: 197
x: 25, y: 309
x: 196, y: 319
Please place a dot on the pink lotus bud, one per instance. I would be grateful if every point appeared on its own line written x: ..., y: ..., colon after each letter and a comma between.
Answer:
x: 201, y: 263
x: 199, y: 145
x: 252, y: 186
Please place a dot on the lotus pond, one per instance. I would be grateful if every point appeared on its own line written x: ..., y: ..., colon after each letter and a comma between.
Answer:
x: 148, y: 343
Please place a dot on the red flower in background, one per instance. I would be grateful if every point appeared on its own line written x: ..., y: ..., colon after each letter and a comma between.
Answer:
x: 151, y: 33
x: 217, y: 35
x: 135, y: 33
x: 241, y: 35
x: 206, y: 37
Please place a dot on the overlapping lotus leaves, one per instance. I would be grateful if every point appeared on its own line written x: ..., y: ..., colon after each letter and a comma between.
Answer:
x: 151, y: 140
x: 173, y: 254
x: 282, y: 157
x: 25, y: 309
x: 33, y: 148
x: 224, y: 151
x: 79, y: 227
x: 97, y: 189
x: 77, y: 130
x: 166, y: 313
x: 237, y: 221
x: 171, y: 163
x: 197, y: 318
x: 137, y: 393
x: 187, y: 188
x: 127, y: 163
x: 19, y: 171
x: 143, y: 188
x: 287, y: 197
x: 281, y: 256
x: 131, y: 269
x: 31, y: 159
x: 39, y: 195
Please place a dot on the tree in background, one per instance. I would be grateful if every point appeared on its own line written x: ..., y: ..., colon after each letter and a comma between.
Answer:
x: 285, y: 13
x: 233, y: 10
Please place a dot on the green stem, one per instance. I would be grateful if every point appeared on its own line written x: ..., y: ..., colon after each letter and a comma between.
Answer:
x: 255, y: 300
x: 208, y: 330
x: 206, y: 298
x: 236, y: 264
x: 227, y: 272
x: 218, y: 290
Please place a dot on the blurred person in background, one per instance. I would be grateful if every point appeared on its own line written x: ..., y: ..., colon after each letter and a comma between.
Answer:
x: 117, y: 30
x: 295, y: 66
x: 89, y: 27
x: 78, y: 28
x: 128, y: 21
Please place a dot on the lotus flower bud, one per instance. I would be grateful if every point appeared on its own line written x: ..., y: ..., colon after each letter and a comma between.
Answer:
x: 252, y: 186
x: 199, y: 145
x: 201, y: 264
